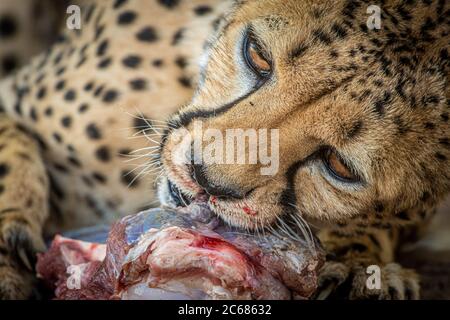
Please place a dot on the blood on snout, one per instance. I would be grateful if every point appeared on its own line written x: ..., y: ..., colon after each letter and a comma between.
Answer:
x: 249, y: 211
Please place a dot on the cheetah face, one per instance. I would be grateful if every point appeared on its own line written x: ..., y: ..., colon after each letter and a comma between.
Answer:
x: 361, y: 116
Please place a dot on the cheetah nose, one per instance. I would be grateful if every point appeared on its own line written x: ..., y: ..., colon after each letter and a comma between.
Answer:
x: 198, y: 173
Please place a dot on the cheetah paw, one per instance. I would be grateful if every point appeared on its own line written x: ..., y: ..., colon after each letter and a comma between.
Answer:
x: 15, y: 283
x: 19, y: 243
x: 337, y: 280
x: 22, y: 242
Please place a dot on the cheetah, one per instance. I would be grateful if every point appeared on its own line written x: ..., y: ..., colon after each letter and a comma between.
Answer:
x: 362, y: 117
x: 27, y: 27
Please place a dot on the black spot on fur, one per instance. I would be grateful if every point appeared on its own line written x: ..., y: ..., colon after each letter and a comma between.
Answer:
x: 40, y: 141
x: 379, y: 208
x: 401, y: 126
x: 87, y: 181
x: 18, y: 107
x: 119, y: 3
x: 48, y: 111
x: 202, y: 10
x: 403, y: 215
x: 58, y: 58
x: 102, y: 47
x: 41, y: 93
x: 70, y: 95
x: 83, y: 108
x: 93, y: 132
x: 99, y: 177
x: 355, y: 130
x: 66, y: 121
x: 147, y: 34
x: 8, y: 26
x: 60, y: 85
x: 91, y: 203
x: 33, y: 114
x: 103, y: 154
x: 142, y: 124
x: 105, y: 63
x: 158, y: 63
x: 321, y: 36
x: 57, y: 137
x: 89, y: 86
x: 71, y: 148
x: 445, y: 142
x: 98, y: 32
x: 74, y: 161
x: 126, y: 18
x: 170, y: 4
x: 425, y: 196
x: 381, y: 104
x: 374, y: 240
x: 138, y: 84
x: 339, y: 31
x: 177, y: 37
x: 299, y: 51
x: 353, y: 247
x: 440, y: 156
x: 185, y: 82
x: 89, y: 12
x: 132, y: 61
x: 129, y: 179
x: 181, y: 62
x: 9, y: 63
x: 99, y: 90
x: 4, y: 170
x: 81, y: 62
x: 40, y: 78
x: 84, y: 48
x: 60, y: 71
x: 110, y: 96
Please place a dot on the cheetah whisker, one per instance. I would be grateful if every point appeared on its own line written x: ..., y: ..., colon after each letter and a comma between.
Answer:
x: 288, y: 230
x: 142, y: 117
x: 136, y: 177
x: 135, y: 157
x: 144, y: 149
x: 134, y: 169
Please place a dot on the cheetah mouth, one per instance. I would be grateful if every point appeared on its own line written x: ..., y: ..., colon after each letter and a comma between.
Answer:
x: 179, y: 190
x: 179, y: 198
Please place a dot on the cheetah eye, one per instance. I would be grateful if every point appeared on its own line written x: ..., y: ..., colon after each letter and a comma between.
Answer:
x: 339, y: 168
x: 255, y: 59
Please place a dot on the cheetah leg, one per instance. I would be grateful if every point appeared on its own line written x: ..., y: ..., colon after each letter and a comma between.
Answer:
x: 346, y: 274
x: 23, y: 209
